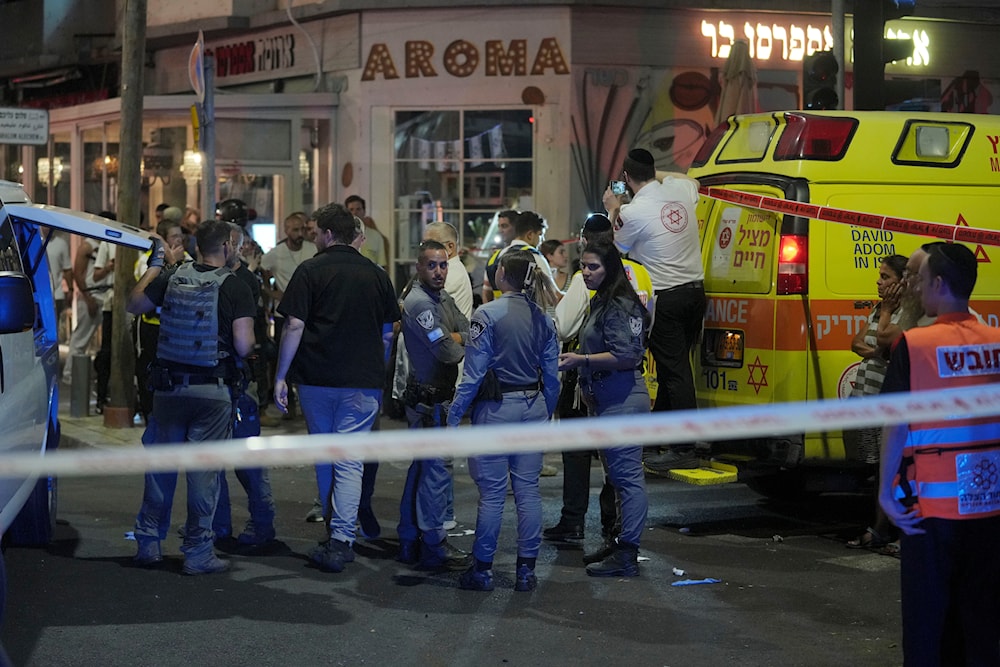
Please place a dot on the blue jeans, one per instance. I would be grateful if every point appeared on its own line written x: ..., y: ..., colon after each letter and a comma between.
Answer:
x: 626, y: 395
x: 425, y: 494
x: 490, y: 473
x: 257, y: 484
x: 185, y: 414
x: 340, y: 410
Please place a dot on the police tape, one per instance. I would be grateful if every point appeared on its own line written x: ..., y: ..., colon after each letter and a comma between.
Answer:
x: 958, y: 233
x: 733, y: 423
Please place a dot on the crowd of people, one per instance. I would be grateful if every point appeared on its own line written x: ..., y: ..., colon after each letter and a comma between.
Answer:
x: 546, y: 342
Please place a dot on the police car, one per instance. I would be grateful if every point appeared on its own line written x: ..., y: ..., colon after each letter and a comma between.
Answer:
x: 29, y: 351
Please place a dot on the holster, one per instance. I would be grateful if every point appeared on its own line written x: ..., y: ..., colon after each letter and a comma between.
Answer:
x: 417, y: 393
x: 489, y: 389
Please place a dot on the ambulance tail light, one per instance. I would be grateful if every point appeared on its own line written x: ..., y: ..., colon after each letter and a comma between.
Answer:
x: 711, y: 142
x: 809, y: 137
x: 793, y: 256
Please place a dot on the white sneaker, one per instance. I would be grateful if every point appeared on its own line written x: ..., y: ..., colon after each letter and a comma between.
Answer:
x: 450, y: 525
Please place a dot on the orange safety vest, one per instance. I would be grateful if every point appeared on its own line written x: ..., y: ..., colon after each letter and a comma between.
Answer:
x: 955, y: 468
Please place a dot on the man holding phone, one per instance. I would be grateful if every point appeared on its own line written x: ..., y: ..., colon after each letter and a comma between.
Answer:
x: 659, y: 229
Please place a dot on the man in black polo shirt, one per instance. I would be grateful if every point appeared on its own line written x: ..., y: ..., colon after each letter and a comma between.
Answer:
x: 195, y: 366
x: 336, y: 305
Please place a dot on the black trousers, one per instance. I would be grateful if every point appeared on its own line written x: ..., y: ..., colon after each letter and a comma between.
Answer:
x: 679, y: 317
x: 148, y: 337
x: 102, y: 362
x: 576, y: 494
x: 950, y: 585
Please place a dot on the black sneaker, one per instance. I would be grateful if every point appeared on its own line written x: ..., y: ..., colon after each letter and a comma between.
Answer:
x: 443, y: 555
x: 476, y: 580
x: 332, y: 555
x: 525, y: 580
x: 148, y: 554
x: 672, y: 459
x: 623, y: 562
x: 210, y: 565
x: 606, y: 549
x: 562, y: 532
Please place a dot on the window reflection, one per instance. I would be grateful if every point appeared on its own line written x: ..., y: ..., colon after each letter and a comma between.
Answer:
x: 460, y: 167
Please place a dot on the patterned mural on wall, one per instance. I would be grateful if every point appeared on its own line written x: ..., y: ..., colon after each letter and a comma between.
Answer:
x: 967, y: 94
x: 668, y: 112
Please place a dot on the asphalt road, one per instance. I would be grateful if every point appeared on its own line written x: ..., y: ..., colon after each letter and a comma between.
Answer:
x: 790, y: 593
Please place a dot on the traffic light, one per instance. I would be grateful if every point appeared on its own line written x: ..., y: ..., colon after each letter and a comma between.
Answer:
x: 819, y: 81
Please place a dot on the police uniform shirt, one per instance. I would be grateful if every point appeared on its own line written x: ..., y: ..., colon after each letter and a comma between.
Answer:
x: 235, y: 301
x: 429, y: 319
x: 572, y: 308
x: 616, y: 326
x: 660, y: 230
x: 517, y: 340
x: 344, y: 300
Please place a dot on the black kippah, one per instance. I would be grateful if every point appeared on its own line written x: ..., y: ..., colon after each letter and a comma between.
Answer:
x: 642, y: 156
x: 597, y: 222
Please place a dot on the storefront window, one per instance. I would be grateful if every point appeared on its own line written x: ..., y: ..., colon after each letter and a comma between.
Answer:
x: 461, y: 167
x: 53, y: 177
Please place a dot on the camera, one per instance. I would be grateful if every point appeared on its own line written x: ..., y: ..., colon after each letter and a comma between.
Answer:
x: 618, y: 187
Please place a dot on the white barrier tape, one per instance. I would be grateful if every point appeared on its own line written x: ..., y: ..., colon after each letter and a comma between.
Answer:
x: 938, y: 230
x: 658, y: 428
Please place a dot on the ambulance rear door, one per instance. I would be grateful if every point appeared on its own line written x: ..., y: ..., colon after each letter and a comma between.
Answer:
x: 744, y: 356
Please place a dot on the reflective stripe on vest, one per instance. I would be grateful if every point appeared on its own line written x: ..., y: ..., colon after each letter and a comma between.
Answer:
x: 956, y: 463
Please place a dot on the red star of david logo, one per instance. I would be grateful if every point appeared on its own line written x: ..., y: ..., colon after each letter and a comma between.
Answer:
x: 674, y: 217
x: 753, y: 381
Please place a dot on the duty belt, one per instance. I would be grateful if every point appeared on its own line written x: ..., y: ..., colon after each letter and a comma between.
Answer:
x: 195, y: 378
x: 510, y: 388
x: 694, y: 284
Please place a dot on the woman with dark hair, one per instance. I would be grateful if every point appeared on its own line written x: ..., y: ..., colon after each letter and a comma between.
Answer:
x: 609, y: 360
x: 510, y: 375
x: 555, y: 254
x: 864, y: 444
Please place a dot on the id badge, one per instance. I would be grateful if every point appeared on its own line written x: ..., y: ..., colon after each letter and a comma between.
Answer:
x: 978, y: 475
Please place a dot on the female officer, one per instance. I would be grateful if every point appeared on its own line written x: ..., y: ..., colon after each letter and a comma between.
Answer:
x: 513, y: 340
x: 609, y: 360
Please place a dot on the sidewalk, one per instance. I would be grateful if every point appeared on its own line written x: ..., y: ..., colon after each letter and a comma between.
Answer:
x: 90, y: 431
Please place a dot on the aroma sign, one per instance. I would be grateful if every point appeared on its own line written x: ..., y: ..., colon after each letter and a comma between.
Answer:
x: 461, y: 58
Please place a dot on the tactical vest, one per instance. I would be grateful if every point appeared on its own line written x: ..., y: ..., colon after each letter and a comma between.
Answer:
x: 955, y: 470
x: 189, y: 318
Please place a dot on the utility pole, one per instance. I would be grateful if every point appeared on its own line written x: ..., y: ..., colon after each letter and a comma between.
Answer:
x: 121, y: 389
x: 839, y: 48
x: 869, y: 67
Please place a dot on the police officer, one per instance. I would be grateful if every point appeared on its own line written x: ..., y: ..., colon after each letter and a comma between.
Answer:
x: 609, y: 361
x: 514, y: 342
x: 206, y: 324
x: 434, y: 331
x: 938, y: 479
x: 570, y: 314
x: 233, y: 210
x: 259, y: 529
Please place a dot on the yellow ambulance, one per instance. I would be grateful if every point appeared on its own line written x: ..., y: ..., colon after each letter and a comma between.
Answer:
x: 790, y: 283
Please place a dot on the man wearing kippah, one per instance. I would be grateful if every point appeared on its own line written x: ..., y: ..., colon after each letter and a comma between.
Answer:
x: 659, y: 229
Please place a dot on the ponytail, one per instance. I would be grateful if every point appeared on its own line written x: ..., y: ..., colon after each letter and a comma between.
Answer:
x: 524, y: 275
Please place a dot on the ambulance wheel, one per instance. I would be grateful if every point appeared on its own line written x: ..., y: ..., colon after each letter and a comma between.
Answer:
x: 782, y: 485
